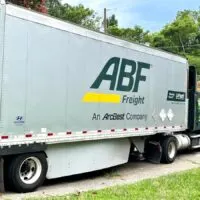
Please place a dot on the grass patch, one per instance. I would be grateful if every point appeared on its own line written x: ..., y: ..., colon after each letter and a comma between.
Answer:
x: 181, y: 186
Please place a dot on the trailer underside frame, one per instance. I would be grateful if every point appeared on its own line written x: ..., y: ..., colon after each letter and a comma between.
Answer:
x: 2, y: 187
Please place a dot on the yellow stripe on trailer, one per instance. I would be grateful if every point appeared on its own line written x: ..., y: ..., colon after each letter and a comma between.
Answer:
x: 101, y: 98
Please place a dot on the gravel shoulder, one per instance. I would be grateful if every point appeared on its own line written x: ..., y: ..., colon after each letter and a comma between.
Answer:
x: 131, y: 172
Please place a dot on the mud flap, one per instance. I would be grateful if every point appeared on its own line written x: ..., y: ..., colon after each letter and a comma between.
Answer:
x: 2, y: 188
x: 153, y: 152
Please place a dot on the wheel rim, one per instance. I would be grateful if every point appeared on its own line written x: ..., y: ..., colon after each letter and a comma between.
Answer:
x: 30, y: 170
x: 171, y: 150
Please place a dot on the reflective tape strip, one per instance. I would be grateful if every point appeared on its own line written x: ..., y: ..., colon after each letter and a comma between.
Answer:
x: 69, y: 136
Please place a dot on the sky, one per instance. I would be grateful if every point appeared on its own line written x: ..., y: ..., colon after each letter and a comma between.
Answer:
x: 150, y: 14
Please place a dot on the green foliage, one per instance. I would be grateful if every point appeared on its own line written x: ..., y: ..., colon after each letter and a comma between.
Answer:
x: 135, y: 34
x: 182, y: 36
x: 158, y: 40
x: 195, y: 61
x: 76, y: 14
x: 112, y: 21
x: 183, y: 31
x: 52, y: 5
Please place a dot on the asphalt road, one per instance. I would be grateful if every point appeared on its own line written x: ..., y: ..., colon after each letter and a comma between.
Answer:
x: 129, y: 173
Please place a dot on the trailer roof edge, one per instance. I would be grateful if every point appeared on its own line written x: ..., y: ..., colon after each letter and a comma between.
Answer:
x: 47, y: 20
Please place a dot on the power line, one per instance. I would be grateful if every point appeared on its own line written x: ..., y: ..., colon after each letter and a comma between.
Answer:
x: 188, y: 46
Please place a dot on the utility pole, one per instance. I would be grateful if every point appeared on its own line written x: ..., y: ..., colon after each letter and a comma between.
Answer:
x: 105, y: 20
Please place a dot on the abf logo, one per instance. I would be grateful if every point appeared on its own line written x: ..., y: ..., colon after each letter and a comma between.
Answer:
x: 121, y: 70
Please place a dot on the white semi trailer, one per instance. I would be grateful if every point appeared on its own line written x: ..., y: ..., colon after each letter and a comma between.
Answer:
x: 73, y: 100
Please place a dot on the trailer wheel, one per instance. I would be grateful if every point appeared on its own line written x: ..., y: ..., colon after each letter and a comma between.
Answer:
x: 27, y: 172
x: 169, y: 149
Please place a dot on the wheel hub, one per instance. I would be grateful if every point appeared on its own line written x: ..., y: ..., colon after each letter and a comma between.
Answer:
x: 30, y: 170
x: 172, y: 150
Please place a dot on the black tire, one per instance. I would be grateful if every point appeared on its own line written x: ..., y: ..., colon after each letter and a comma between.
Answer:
x: 20, y: 165
x: 169, y: 149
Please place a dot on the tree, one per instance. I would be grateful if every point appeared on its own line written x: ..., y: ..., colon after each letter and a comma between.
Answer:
x: 158, y: 40
x: 112, y: 21
x: 135, y: 34
x: 37, y: 5
x: 52, y: 5
x: 182, y: 31
x: 76, y: 14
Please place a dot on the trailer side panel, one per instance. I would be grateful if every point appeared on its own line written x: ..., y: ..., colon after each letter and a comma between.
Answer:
x: 58, y: 81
